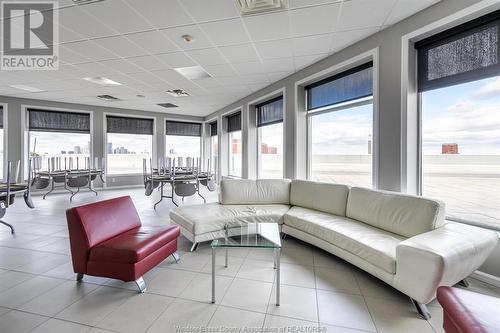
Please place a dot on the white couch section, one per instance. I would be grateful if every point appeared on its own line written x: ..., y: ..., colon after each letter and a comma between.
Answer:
x: 400, y: 239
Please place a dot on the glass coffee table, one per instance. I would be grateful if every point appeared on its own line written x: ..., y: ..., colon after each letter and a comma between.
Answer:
x: 249, y: 235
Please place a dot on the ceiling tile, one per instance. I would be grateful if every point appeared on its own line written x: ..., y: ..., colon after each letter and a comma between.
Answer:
x: 406, y: 8
x: 67, y: 55
x: 226, y: 32
x: 202, y: 10
x: 220, y: 70
x: 200, y: 40
x: 176, y: 59
x: 240, y: 53
x: 121, y: 46
x: 91, y: 50
x: 275, y: 49
x: 359, y: 14
x: 268, y: 26
x: 314, y: 20
x: 311, y: 44
x: 278, y: 65
x: 82, y: 23
x: 153, y: 41
x: 161, y: 13
x: 304, y: 61
x: 207, y: 56
x: 305, y: 3
x: 121, y: 66
x: 341, y: 40
x: 248, y: 68
x: 150, y: 63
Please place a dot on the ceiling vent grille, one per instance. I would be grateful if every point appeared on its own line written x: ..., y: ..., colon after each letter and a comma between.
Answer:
x: 251, y: 7
x: 178, y: 93
x: 108, y: 98
x: 168, y: 105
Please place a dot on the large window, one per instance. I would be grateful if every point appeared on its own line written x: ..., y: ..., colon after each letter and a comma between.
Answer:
x: 234, y: 129
x: 128, y: 142
x: 340, y: 127
x: 270, y: 138
x: 183, y: 139
x: 1, y: 143
x: 459, y: 85
x: 60, y: 139
x: 214, y: 148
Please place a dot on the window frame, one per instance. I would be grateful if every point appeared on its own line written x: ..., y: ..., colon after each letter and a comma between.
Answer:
x: 202, y: 135
x: 229, y: 146
x: 105, y: 140
x: 4, y: 107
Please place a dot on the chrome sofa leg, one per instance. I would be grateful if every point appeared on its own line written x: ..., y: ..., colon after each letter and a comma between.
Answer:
x: 283, y: 235
x: 422, y: 309
x: 194, y: 247
x: 79, y: 277
x: 464, y: 283
x: 176, y: 256
x: 141, y: 284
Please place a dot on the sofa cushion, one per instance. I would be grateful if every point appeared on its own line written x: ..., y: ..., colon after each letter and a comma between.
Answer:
x: 200, y: 219
x: 325, y: 197
x: 402, y: 214
x: 134, y: 245
x: 254, y: 192
x: 376, y: 246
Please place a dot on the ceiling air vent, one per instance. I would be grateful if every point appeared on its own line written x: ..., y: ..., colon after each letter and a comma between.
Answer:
x: 251, y: 7
x: 108, y: 98
x: 178, y: 93
x: 168, y: 105
x: 85, y: 2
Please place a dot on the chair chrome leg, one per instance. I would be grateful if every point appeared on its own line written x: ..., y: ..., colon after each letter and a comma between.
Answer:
x: 141, y: 284
x: 194, y: 247
x: 176, y: 256
x: 79, y: 277
x: 464, y: 283
x: 12, y: 230
x: 283, y: 235
x: 422, y: 309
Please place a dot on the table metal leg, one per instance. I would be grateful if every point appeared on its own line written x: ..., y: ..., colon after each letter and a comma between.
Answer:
x: 213, y: 274
x: 225, y: 264
x: 277, y: 253
x: 12, y: 230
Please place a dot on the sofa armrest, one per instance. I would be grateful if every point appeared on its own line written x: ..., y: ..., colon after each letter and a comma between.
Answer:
x: 443, y: 256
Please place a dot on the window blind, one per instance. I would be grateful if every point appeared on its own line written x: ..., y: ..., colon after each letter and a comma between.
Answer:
x: 461, y: 54
x: 349, y: 85
x: 58, y: 121
x: 181, y: 128
x: 128, y: 125
x: 234, y: 122
x: 1, y: 117
x: 213, y: 128
x: 270, y: 112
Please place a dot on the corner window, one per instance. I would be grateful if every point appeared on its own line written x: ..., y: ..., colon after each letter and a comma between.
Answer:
x: 235, y: 156
x: 459, y: 87
x: 1, y: 143
x: 340, y: 127
x: 128, y: 142
x: 183, y: 140
x: 214, y: 149
x: 270, y: 138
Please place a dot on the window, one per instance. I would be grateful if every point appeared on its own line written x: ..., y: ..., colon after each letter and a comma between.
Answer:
x: 183, y: 139
x: 1, y: 143
x: 234, y: 129
x: 340, y: 127
x: 64, y: 135
x: 214, y: 148
x: 270, y: 138
x: 459, y: 86
x: 128, y: 142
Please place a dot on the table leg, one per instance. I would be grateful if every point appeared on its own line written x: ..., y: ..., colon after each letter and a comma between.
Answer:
x: 225, y: 265
x: 213, y: 275
x: 277, y: 253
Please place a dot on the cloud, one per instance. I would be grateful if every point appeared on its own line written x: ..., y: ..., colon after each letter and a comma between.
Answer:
x: 490, y: 90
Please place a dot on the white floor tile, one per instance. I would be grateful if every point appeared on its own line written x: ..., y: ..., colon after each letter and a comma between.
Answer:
x: 26, y: 291
x: 295, y: 302
x: 19, y: 322
x: 257, y: 270
x: 200, y: 288
x: 170, y: 282
x: 230, y: 318
x: 284, y: 324
x: 336, y: 279
x: 248, y: 295
x: 60, y: 326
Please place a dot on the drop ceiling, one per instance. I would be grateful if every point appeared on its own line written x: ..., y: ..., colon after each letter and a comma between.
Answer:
x: 139, y: 44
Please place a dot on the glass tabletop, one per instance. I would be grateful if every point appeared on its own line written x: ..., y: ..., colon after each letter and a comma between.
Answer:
x: 262, y: 235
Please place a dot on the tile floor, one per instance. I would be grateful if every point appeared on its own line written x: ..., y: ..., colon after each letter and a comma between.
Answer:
x: 38, y: 292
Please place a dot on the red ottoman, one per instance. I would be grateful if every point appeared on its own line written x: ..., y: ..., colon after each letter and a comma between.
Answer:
x: 107, y: 239
x: 468, y: 312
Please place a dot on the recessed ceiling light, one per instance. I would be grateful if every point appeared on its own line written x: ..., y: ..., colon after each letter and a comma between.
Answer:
x: 104, y: 81
x: 188, y: 38
x: 177, y: 93
x: 140, y: 96
x: 193, y: 72
x: 108, y: 98
x: 168, y: 105
x: 26, y: 88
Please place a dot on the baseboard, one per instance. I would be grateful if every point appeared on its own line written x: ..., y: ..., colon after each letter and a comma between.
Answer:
x: 486, y: 278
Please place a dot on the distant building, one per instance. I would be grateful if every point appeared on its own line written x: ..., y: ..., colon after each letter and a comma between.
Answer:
x: 265, y: 149
x: 109, y: 148
x: 449, y: 148
x: 77, y: 150
x: 369, y: 144
x: 63, y: 152
x: 235, y: 146
x: 171, y: 151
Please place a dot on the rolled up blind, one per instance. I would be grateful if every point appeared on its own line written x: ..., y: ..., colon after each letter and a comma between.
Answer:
x: 127, y: 125
x: 461, y: 54
x: 213, y: 128
x: 181, y: 128
x: 347, y: 86
x: 1, y: 117
x: 234, y: 122
x: 270, y: 112
x: 58, y: 121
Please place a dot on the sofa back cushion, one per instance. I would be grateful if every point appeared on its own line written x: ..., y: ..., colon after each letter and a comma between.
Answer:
x: 254, y: 192
x: 325, y: 197
x: 402, y: 214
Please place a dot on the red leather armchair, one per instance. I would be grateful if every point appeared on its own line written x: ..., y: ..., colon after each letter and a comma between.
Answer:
x: 107, y: 239
x: 468, y: 312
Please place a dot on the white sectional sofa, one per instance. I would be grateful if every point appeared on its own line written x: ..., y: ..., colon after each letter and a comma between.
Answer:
x: 401, y: 239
